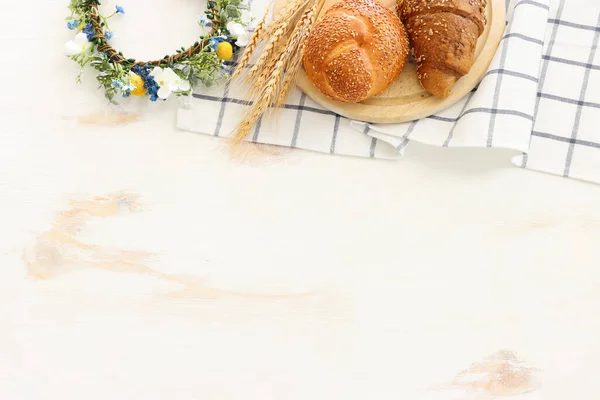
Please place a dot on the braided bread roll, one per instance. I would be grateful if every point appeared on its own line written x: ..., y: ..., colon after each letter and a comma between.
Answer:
x: 356, y: 50
x: 443, y: 35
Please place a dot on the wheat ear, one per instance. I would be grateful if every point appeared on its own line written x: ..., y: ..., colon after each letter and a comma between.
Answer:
x: 282, y: 28
x: 268, y: 51
x: 286, y: 14
x: 293, y: 68
x: 259, y: 106
x: 297, y: 43
x: 252, y: 43
x: 283, y: 58
x: 265, y: 97
x: 262, y: 31
x: 272, y: 90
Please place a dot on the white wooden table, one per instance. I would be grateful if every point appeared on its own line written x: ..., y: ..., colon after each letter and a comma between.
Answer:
x: 140, y: 262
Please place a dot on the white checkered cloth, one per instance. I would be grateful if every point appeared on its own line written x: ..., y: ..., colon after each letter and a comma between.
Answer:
x: 540, y: 96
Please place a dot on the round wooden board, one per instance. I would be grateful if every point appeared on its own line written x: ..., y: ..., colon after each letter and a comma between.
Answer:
x: 405, y: 100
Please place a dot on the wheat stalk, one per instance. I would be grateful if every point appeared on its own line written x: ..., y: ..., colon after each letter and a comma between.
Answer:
x: 262, y: 75
x: 290, y: 77
x: 261, y: 32
x: 262, y: 103
x: 276, y: 69
x: 288, y: 13
x: 294, y: 66
x: 268, y: 51
x: 282, y: 28
x: 252, y: 43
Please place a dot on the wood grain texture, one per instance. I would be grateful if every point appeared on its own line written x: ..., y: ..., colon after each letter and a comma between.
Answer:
x: 405, y: 100
x: 422, y: 268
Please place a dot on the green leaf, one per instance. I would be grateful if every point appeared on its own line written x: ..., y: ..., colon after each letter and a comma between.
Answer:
x: 233, y: 11
x: 203, y: 67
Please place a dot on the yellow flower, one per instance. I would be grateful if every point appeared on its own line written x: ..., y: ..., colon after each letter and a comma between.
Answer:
x: 138, y: 83
x: 224, y: 51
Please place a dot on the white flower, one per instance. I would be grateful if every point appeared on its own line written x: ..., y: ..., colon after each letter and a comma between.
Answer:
x: 78, y: 45
x: 236, y: 30
x: 245, y: 4
x: 168, y: 82
x: 246, y: 17
x: 184, y: 85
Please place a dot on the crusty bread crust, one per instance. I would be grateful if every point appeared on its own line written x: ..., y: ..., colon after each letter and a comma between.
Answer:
x: 357, y: 49
x: 443, y: 36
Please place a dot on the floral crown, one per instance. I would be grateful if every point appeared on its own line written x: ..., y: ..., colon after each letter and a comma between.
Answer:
x: 225, y: 30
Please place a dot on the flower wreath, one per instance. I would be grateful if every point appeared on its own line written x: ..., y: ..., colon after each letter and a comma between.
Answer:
x: 224, y: 23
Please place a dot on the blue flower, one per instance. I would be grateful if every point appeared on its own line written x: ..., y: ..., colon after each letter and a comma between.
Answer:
x: 214, y: 42
x: 108, y: 35
x: 119, y: 9
x: 126, y: 89
x: 203, y: 20
x: 149, y: 82
x: 89, y: 31
x: 73, y: 24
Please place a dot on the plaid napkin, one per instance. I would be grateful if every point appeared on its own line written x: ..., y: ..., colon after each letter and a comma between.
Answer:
x: 540, y: 96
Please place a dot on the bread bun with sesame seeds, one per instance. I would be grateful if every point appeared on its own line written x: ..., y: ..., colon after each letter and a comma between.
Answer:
x: 356, y: 50
x: 443, y: 36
